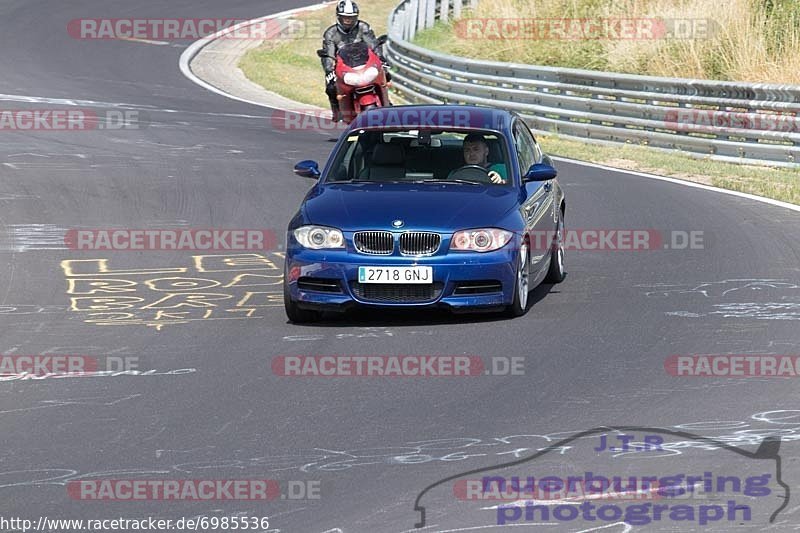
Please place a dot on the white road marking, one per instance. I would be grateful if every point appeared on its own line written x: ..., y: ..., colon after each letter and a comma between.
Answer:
x: 145, y: 41
x: 677, y: 181
x: 195, y: 47
x: 627, y: 526
x: 24, y: 237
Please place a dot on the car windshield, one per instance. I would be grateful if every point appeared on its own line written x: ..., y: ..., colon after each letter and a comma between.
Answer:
x: 354, y: 54
x: 420, y: 156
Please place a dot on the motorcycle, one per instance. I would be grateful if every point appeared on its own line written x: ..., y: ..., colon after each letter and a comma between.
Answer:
x: 361, y: 81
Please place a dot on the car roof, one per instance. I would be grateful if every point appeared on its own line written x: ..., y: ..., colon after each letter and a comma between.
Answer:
x: 434, y: 117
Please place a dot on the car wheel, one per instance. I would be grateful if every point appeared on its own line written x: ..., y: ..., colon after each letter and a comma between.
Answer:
x: 556, y: 272
x: 522, y: 285
x: 293, y: 312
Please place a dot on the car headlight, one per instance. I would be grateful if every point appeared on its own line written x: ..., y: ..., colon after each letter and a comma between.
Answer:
x: 319, y: 237
x: 361, y: 78
x: 480, y: 240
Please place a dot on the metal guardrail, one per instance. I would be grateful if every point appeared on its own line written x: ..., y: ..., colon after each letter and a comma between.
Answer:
x: 706, y: 119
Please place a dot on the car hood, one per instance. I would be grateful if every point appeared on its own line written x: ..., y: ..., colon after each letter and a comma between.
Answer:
x: 439, y: 207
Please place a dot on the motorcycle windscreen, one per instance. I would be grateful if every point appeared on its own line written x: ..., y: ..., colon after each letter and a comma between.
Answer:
x: 355, y: 54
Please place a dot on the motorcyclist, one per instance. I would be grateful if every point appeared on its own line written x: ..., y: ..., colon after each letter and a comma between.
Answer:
x: 348, y: 29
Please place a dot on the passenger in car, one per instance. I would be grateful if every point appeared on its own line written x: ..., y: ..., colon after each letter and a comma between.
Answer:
x: 476, y: 152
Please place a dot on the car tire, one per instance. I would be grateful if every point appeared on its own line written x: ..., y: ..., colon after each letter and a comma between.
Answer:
x: 293, y: 311
x: 556, y: 272
x: 522, y: 285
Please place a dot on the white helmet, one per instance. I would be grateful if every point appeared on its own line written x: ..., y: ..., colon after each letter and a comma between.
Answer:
x: 346, y: 8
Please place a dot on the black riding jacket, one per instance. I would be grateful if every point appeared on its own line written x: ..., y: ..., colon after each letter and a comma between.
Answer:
x: 333, y: 39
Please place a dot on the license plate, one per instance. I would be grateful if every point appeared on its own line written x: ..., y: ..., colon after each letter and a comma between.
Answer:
x: 415, y: 274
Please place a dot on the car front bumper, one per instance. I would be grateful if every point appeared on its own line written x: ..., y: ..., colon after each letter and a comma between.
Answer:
x: 328, y: 279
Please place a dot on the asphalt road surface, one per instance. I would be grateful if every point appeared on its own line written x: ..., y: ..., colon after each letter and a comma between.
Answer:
x: 349, y: 454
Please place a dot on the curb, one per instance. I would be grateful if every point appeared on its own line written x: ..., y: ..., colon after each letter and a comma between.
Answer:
x: 212, y: 62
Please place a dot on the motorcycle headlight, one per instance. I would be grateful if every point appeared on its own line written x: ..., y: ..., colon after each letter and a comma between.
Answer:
x: 361, y: 78
x: 480, y: 240
x: 352, y: 78
x: 319, y: 237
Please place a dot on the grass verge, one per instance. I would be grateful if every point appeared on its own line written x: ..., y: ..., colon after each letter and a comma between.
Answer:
x: 747, y: 40
x: 777, y: 183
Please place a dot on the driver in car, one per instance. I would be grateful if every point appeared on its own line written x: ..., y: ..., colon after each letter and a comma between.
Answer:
x: 476, y: 152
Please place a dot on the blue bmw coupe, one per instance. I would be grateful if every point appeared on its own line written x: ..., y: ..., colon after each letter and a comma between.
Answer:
x: 426, y: 206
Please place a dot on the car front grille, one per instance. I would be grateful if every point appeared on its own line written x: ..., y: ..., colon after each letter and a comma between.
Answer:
x: 411, y: 243
x: 419, y: 243
x: 374, y: 242
x: 396, y: 292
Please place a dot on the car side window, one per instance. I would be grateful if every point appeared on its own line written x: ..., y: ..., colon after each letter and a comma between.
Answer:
x: 526, y: 147
x: 536, y: 148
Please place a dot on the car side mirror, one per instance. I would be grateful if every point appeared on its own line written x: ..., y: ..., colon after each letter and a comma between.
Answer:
x: 321, y: 53
x: 540, y: 172
x: 382, y: 39
x: 307, y: 169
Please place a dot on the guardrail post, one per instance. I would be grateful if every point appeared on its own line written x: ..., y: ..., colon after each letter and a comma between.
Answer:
x: 444, y: 8
x: 422, y: 9
x: 395, y: 22
x: 456, y: 9
x: 430, y: 14
x: 412, y: 20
